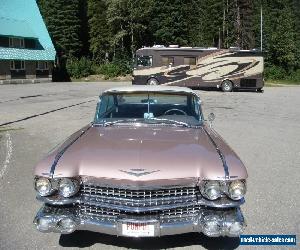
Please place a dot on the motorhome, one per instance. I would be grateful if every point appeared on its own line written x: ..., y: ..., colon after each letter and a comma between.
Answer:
x: 227, y: 69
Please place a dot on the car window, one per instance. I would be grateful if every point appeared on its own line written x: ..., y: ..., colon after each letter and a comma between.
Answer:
x: 144, y: 61
x: 167, y: 60
x: 103, y: 105
x: 143, y: 105
x: 189, y: 60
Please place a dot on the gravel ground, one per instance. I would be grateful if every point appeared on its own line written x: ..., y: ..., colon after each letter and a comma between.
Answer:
x: 262, y: 128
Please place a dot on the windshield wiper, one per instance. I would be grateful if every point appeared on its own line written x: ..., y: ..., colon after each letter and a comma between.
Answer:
x: 110, y: 123
x: 169, y: 121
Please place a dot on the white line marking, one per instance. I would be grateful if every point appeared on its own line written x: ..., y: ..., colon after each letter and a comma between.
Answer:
x: 9, y: 151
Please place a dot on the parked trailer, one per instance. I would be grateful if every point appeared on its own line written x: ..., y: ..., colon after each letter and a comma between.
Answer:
x: 227, y: 69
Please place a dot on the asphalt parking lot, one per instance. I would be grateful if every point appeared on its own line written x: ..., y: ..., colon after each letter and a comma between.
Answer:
x: 264, y: 129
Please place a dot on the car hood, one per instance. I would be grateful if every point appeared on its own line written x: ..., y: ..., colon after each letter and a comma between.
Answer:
x: 139, y: 154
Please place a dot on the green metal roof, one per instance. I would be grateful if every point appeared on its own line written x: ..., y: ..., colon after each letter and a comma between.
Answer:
x: 22, y: 18
x: 17, y: 28
x: 27, y: 54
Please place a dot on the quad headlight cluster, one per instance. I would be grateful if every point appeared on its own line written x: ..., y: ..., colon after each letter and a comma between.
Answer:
x: 213, y: 190
x: 66, y: 187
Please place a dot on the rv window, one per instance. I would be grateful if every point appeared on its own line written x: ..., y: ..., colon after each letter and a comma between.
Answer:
x: 144, y: 61
x: 189, y: 61
x: 166, y: 61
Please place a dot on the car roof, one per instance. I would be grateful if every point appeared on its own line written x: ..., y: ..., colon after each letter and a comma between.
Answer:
x: 151, y: 88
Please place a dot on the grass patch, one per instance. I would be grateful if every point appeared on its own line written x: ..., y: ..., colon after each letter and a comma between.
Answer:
x: 281, y: 83
x: 102, y: 78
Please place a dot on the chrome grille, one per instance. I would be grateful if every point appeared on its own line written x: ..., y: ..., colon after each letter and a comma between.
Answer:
x: 126, y: 193
x: 138, y: 198
x: 168, y: 215
x: 169, y: 204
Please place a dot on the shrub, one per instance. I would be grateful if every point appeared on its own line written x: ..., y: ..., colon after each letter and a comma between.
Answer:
x: 113, y: 69
x: 295, y: 76
x: 275, y: 73
x: 78, y: 68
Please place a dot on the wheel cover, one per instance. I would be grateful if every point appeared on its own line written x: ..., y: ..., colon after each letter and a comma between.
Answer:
x: 152, y: 82
x: 227, y: 85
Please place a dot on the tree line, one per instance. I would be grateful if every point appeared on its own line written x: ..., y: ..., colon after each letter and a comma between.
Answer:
x: 108, y: 32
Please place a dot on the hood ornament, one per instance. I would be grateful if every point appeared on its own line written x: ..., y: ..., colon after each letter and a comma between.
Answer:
x: 138, y: 172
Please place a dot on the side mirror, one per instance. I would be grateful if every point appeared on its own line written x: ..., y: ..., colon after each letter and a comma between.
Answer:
x: 211, y: 117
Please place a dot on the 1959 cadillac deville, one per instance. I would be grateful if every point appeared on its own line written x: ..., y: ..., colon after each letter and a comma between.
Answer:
x: 148, y: 165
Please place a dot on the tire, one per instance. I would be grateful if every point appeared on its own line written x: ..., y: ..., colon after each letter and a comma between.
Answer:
x: 260, y: 90
x: 152, y: 81
x: 227, y: 86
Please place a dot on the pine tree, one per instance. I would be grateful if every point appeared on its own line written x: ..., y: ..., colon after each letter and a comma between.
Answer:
x: 99, y: 32
x: 246, y: 8
x: 169, y: 24
x: 296, y: 14
x: 63, y: 23
x: 279, y: 33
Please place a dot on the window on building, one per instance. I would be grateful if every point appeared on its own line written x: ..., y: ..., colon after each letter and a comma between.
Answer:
x: 189, y: 61
x: 166, y: 61
x: 17, y: 65
x: 4, y: 41
x: 16, y: 42
x: 41, y: 65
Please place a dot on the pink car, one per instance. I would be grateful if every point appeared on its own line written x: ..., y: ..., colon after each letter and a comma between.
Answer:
x: 148, y: 165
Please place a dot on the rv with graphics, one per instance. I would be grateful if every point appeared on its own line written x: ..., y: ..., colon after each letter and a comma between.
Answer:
x: 227, y: 69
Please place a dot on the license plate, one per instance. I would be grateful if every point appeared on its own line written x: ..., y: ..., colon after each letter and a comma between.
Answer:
x: 138, y: 229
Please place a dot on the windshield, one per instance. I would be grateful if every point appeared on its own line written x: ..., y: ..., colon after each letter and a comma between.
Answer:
x: 144, y: 61
x: 151, y: 108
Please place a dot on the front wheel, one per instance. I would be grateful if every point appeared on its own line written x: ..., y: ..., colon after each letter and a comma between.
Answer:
x: 227, y: 86
x: 152, y: 81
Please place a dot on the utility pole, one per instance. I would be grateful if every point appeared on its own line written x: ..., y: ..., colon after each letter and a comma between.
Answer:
x: 261, y: 30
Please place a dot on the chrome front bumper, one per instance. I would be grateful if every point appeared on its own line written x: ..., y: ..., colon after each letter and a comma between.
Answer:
x: 211, y: 222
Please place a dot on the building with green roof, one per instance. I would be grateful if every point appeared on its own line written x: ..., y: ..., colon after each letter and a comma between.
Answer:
x: 26, y: 50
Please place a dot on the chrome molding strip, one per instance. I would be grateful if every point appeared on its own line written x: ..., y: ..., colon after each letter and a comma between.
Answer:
x: 137, y: 186
x: 222, y: 157
x: 60, y: 153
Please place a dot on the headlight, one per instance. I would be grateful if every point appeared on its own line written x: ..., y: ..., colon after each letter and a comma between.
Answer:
x: 68, y: 187
x: 211, y: 190
x: 237, y: 190
x: 43, y: 186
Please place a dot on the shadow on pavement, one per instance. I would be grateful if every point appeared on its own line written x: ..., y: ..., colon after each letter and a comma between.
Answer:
x: 87, y: 239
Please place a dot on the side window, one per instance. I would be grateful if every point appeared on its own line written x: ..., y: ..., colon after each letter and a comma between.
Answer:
x: 144, y: 61
x: 189, y: 61
x: 166, y: 60
x: 195, y: 103
x: 110, y: 102
x: 103, y: 105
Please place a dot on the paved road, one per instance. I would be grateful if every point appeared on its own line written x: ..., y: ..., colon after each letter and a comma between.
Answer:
x: 264, y: 129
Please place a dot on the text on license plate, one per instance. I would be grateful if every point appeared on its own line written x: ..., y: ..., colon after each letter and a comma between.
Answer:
x: 137, y: 229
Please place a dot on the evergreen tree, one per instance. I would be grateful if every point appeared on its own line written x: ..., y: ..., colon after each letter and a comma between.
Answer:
x: 247, y: 40
x: 99, y: 32
x: 169, y: 23
x: 63, y: 23
x: 114, y: 29
x: 296, y: 14
x: 279, y: 33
